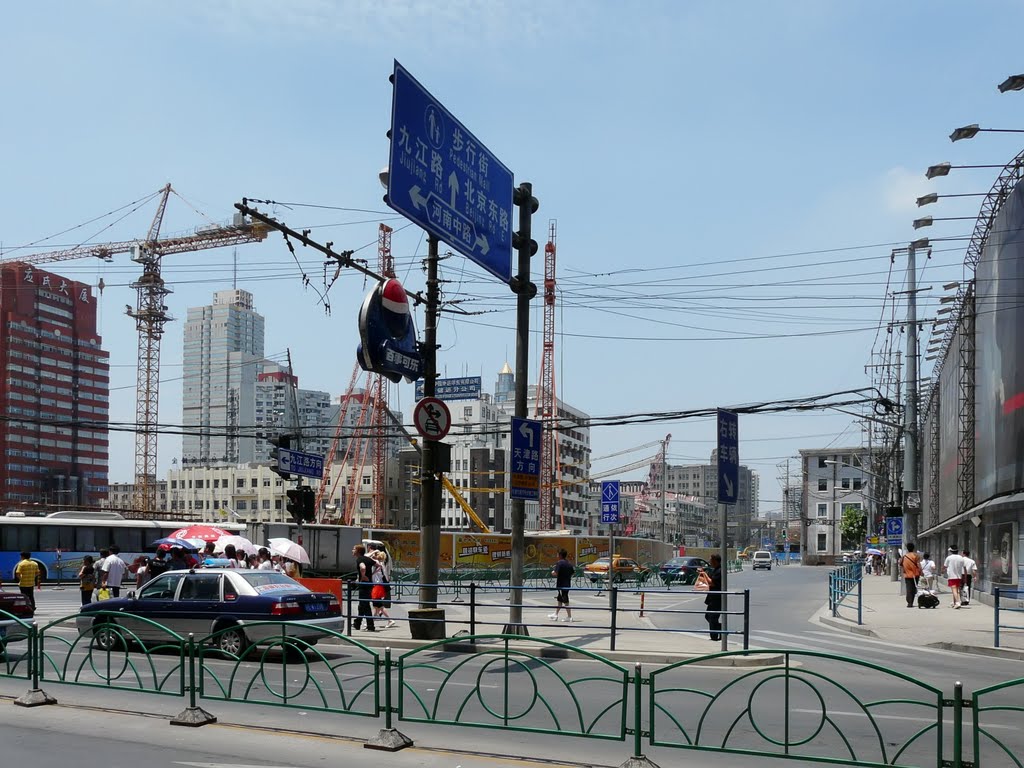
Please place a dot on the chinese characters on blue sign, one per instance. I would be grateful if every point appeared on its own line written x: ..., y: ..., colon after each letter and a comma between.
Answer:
x: 525, y: 480
x: 466, y: 388
x: 728, y: 457
x: 610, y: 501
x: 442, y: 178
x: 298, y: 463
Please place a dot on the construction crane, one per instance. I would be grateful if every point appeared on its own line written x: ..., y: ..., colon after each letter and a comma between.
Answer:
x: 379, y: 397
x: 546, y: 408
x: 150, y: 315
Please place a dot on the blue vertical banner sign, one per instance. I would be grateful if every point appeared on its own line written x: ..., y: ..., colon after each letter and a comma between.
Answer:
x: 728, y: 457
x: 443, y: 178
x: 610, y: 502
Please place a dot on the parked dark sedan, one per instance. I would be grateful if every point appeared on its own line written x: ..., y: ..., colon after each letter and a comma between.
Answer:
x: 17, y: 606
x: 682, y: 570
x: 213, y: 599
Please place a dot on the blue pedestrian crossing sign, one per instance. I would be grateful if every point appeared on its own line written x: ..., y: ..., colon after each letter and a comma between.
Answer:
x: 894, y: 531
x: 610, y: 502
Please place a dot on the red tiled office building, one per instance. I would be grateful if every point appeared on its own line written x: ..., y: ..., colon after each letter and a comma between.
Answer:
x: 54, y: 407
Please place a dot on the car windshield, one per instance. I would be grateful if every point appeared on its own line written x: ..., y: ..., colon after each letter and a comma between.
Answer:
x: 268, y: 581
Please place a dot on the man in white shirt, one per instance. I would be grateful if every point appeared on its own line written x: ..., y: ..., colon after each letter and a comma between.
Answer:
x: 970, y: 571
x: 954, y: 570
x: 928, y: 578
x: 113, y: 571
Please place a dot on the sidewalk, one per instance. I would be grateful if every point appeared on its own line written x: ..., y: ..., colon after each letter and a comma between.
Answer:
x: 886, y: 617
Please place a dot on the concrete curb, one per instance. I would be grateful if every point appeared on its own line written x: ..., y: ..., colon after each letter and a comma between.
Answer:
x: 661, y: 658
x: 980, y: 650
x: 857, y: 629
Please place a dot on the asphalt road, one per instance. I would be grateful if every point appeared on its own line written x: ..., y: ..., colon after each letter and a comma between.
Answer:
x: 576, y: 695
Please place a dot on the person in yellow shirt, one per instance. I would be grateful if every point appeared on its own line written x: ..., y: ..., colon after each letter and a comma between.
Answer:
x: 27, y: 574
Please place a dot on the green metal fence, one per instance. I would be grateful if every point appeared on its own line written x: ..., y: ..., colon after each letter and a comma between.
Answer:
x: 730, y: 716
x: 793, y: 706
x: 16, y: 645
x: 475, y: 689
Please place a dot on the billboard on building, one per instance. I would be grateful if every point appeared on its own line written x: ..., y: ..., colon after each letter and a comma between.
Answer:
x: 999, y: 382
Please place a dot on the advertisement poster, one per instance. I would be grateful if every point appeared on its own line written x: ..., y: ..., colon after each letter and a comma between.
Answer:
x: 404, y: 548
x: 1001, y: 558
x: 482, y: 551
x: 542, y: 551
x: 588, y: 549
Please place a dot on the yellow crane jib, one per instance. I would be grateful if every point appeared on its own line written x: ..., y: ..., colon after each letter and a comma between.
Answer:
x: 464, y: 504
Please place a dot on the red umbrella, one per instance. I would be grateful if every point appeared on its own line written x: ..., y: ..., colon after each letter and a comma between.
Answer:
x: 202, y: 532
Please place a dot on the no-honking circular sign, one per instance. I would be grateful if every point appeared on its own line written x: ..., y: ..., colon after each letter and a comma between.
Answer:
x: 433, y: 419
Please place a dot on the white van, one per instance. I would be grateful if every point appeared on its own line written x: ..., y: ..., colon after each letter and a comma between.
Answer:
x: 762, y: 559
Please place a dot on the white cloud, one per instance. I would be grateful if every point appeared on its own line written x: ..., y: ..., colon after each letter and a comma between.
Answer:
x: 901, y: 188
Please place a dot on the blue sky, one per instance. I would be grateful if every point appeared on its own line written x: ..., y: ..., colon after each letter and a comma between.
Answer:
x: 728, y: 180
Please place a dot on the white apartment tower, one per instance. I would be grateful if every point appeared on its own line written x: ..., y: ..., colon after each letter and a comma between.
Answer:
x: 222, y: 358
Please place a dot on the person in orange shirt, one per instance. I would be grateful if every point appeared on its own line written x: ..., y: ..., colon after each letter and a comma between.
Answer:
x: 910, y: 566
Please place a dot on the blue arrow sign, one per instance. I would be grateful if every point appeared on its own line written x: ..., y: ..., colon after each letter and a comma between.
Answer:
x: 728, y: 457
x: 610, y: 501
x: 525, y: 465
x: 299, y: 463
x: 894, y: 531
x: 442, y: 178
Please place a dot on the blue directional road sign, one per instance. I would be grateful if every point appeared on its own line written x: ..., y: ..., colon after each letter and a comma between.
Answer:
x: 728, y: 457
x: 442, y: 178
x: 610, y: 501
x: 894, y: 531
x: 299, y: 463
x: 525, y: 482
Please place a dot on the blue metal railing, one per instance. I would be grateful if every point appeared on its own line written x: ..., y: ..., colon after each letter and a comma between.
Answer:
x: 997, y: 594
x: 843, y: 582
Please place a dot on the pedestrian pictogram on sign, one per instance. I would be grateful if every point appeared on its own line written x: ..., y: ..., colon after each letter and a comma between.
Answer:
x: 432, y: 417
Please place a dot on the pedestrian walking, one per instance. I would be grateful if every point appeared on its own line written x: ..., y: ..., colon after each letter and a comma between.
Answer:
x: 954, y: 570
x: 113, y: 571
x: 381, y: 591
x: 87, y: 579
x: 177, y: 561
x: 910, y: 565
x: 364, y: 575
x: 265, y: 563
x: 141, y: 571
x: 563, y: 573
x: 28, y: 576
x: 928, y: 576
x: 970, y: 571
x: 713, y: 599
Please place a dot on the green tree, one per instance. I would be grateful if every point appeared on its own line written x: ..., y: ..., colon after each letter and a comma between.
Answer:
x: 853, y: 526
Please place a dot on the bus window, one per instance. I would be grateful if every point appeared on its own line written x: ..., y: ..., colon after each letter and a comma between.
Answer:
x: 88, y: 538
x: 47, y: 538
x: 20, y: 537
x: 129, y: 539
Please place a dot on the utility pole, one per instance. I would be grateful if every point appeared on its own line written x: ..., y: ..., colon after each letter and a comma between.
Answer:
x: 664, y: 486
x: 525, y: 290
x: 910, y: 419
x: 430, y: 488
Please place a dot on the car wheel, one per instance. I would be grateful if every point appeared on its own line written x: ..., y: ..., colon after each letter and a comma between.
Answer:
x: 106, y: 637
x: 232, y: 640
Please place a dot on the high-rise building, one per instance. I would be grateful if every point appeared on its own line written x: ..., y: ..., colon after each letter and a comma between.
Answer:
x: 281, y: 408
x: 701, y: 481
x: 223, y: 354
x: 54, y: 395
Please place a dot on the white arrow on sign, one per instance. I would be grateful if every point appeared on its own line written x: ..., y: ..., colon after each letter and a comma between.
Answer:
x: 482, y: 244
x: 526, y: 431
x: 453, y: 186
x: 728, y: 485
x: 418, y: 200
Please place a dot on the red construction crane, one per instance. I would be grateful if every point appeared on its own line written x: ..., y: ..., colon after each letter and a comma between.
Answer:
x: 546, y: 408
x: 379, y: 399
x: 150, y: 314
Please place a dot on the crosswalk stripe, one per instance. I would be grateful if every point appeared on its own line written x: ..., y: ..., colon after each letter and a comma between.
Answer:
x: 879, y: 646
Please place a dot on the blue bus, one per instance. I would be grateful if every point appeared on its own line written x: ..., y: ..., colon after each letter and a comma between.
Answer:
x: 60, y: 540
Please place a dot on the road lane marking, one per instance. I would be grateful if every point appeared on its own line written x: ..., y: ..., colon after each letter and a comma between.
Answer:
x: 907, y: 718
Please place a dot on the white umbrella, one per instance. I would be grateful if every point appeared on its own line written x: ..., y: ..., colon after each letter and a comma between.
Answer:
x: 874, y: 551
x: 288, y: 548
x: 239, y: 542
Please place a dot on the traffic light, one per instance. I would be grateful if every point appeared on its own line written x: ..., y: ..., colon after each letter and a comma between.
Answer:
x: 301, y: 504
x: 281, y: 441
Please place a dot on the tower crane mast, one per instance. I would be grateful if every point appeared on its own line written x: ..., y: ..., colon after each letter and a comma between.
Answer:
x: 150, y: 315
x: 546, y: 403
